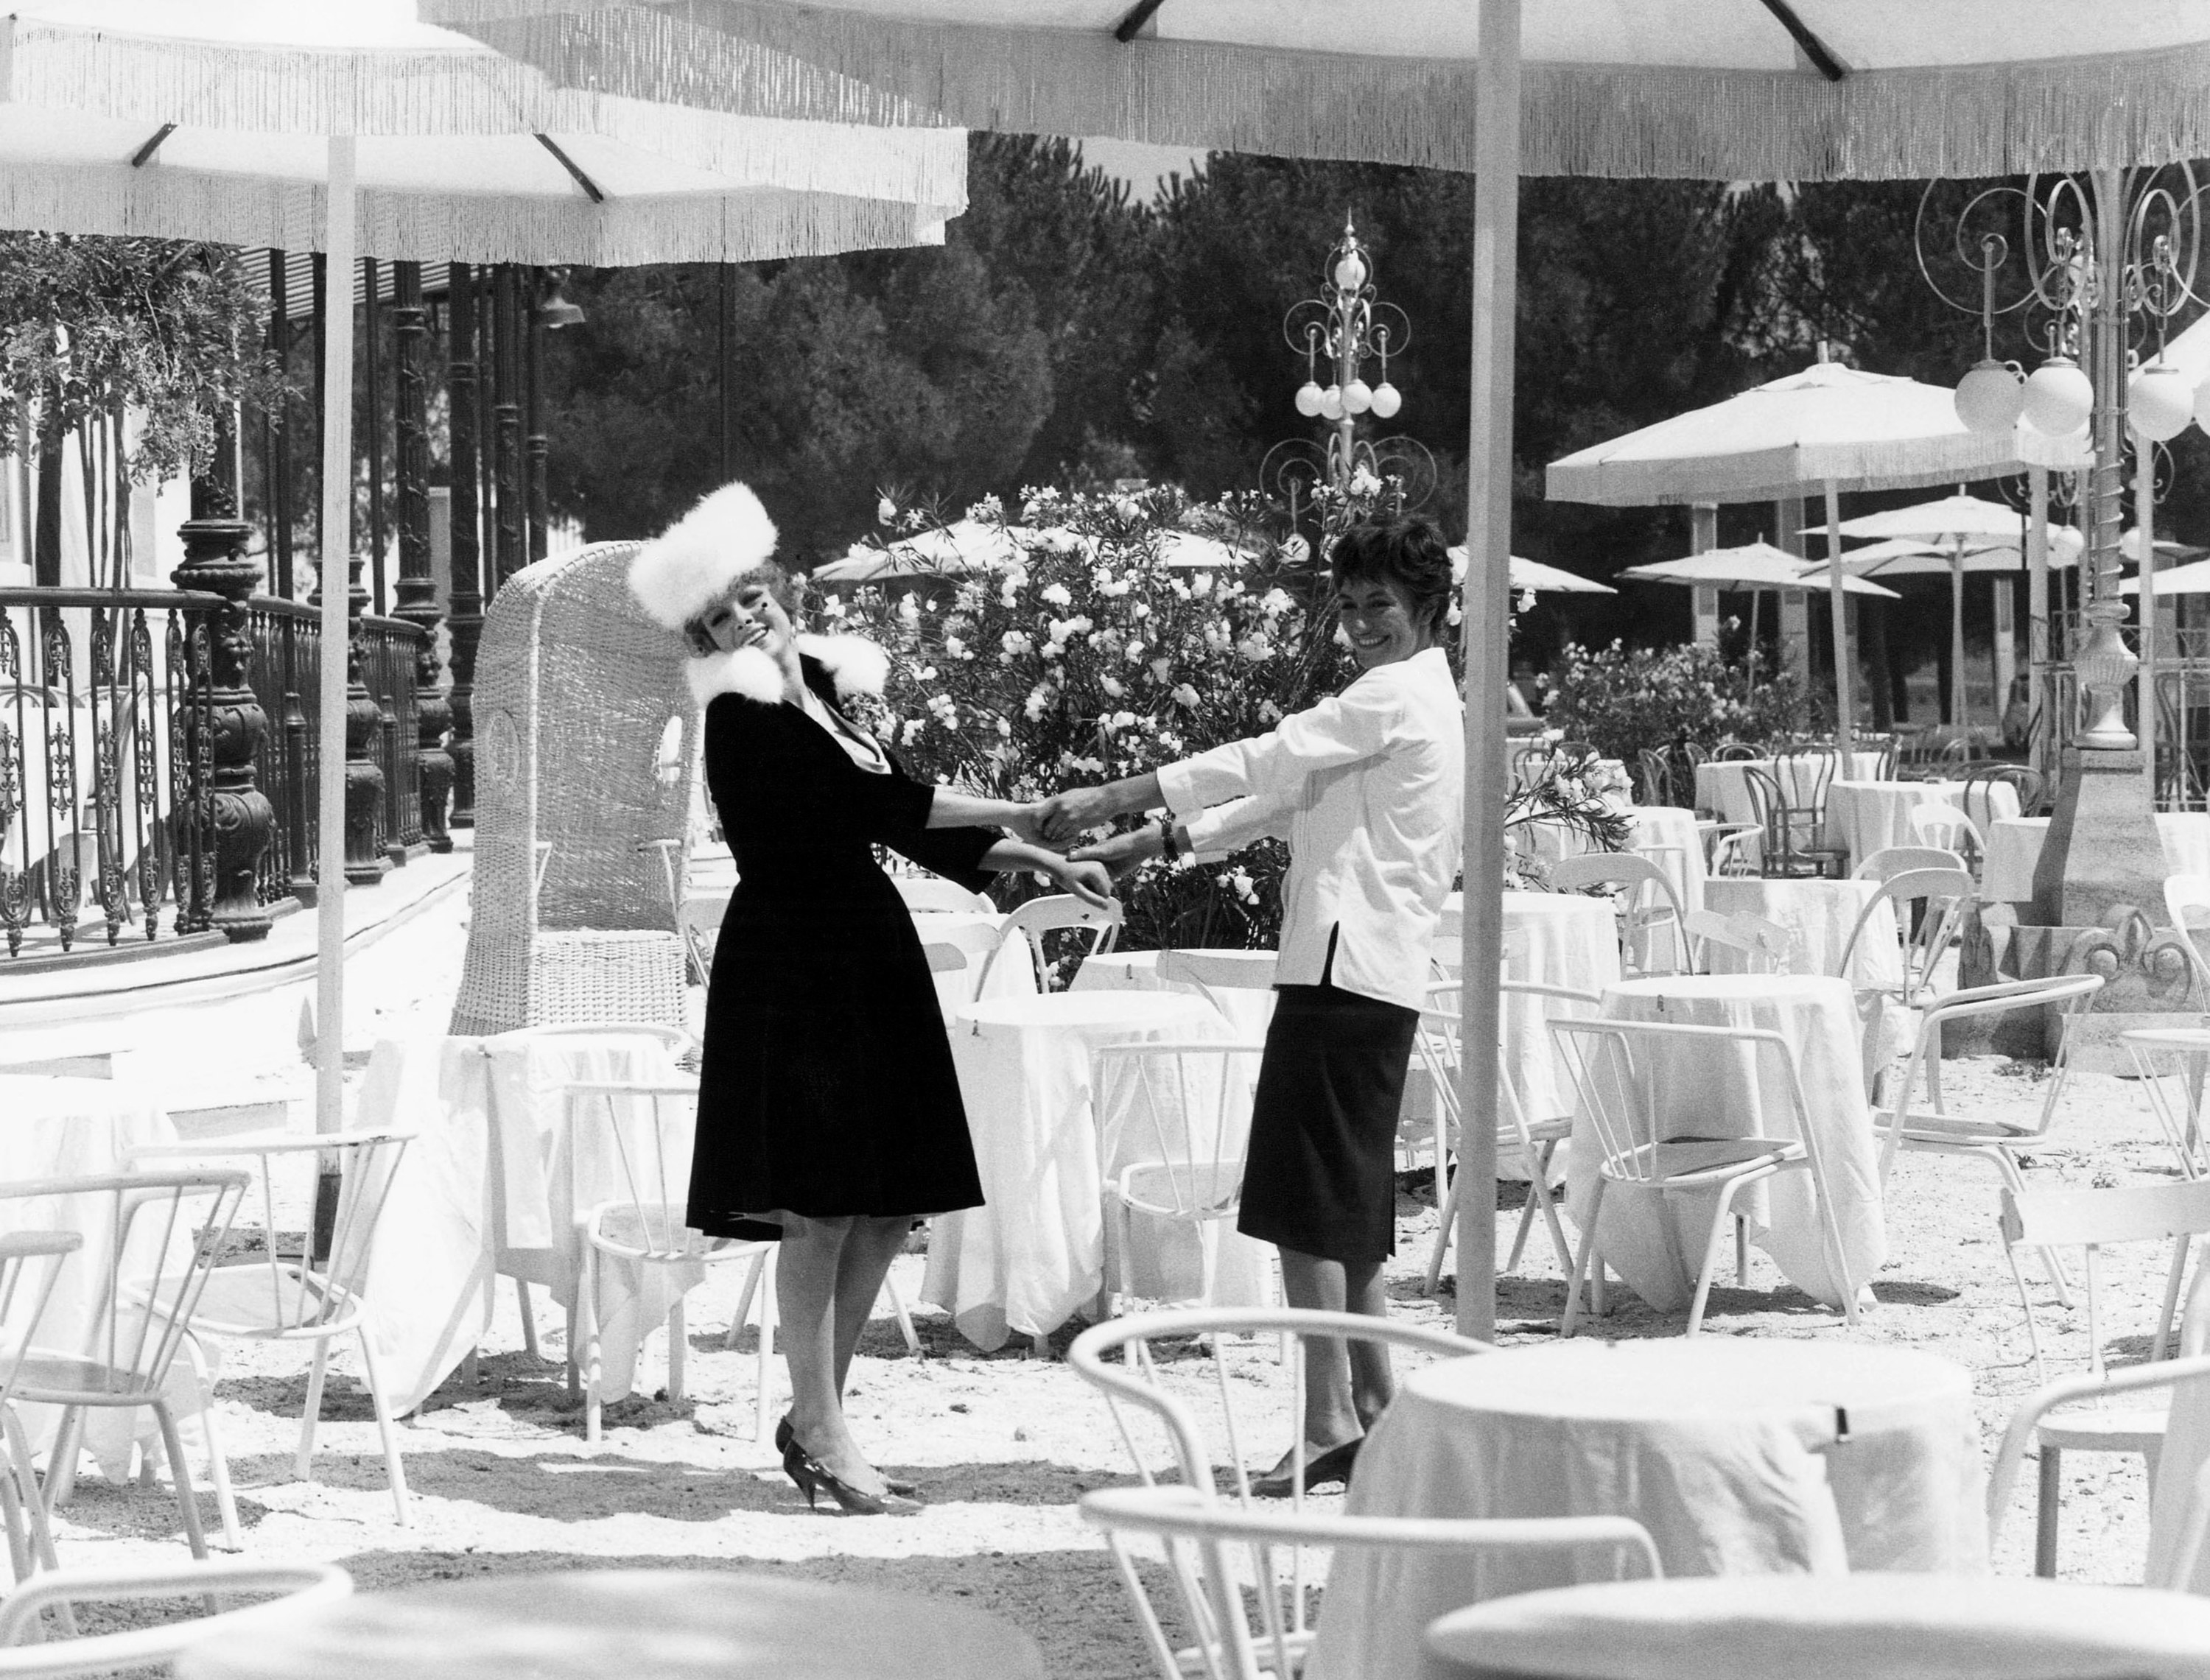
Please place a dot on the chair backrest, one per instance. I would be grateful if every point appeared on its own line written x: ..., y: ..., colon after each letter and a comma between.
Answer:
x: 1028, y: 924
x: 1648, y: 905
x: 2090, y: 1219
x: 1894, y: 860
x: 1941, y: 824
x: 1174, y: 1119
x: 1732, y: 752
x: 1890, y: 749
x: 1214, y: 1553
x: 1438, y: 1044
x: 1624, y: 1072
x: 2028, y: 783
x: 1803, y: 774
x: 30, y: 1263
x: 925, y: 893
x: 1764, y: 944
x: 634, y: 1140
x: 27, y: 1654
x: 944, y: 959
x: 294, y: 1291
x: 1946, y: 894
x: 2069, y: 994
x: 1657, y: 769
x: 161, y: 1231
x: 1213, y: 971
x: 2187, y: 900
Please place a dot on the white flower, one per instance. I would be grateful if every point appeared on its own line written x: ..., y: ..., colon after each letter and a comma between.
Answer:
x: 1004, y: 728
x: 988, y: 507
x: 1139, y: 609
x: 1275, y: 602
x: 1269, y: 713
x: 1184, y: 695
x: 1055, y: 650
x: 885, y: 511
x: 908, y: 612
x: 1526, y: 601
x: 833, y: 607
x: 1363, y: 483
x: 1246, y: 888
x: 926, y: 674
x: 1125, y: 720
x: 910, y: 733
x: 1016, y: 642
x: 1057, y: 595
x: 1161, y: 670
x: 1038, y: 701
x: 1134, y: 653
x: 1113, y: 686
x: 1255, y: 648
x: 955, y: 648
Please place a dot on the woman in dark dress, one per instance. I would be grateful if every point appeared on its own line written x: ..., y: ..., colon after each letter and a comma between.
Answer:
x: 829, y: 1112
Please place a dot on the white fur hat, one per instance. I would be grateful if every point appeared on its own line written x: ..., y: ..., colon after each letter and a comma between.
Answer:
x: 692, y: 563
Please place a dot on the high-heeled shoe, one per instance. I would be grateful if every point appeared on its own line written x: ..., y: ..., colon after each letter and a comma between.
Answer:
x: 811, y: 1475
x: 782, y: 1439
x: 1332, y: 1466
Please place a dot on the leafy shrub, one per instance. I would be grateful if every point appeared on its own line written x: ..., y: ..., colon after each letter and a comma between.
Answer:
x: 1623, y: 699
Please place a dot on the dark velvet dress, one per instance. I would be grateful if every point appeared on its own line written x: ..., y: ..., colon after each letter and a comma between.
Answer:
x: 827, y: 1087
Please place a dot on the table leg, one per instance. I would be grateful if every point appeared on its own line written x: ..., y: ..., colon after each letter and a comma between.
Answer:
x: 2051, y: 1491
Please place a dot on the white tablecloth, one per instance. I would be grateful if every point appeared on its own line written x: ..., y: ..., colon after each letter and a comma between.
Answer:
x: 1032, y: 1256
x: 1726, y: 1451
x: 494, y: 1184
x: 975, y: 933
x: 1706, y: 1090
x: 2014, y: 847
x: 1555, y: 939
x: 1666, y: 835
x: 1818, y: 915
x: 54, y: 1127
x: 1724, y: 788
x: 1864, y: 816
x: 1249, y: 1008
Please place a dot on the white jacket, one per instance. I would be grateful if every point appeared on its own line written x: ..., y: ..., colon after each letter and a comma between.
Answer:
x: 1369, y: 789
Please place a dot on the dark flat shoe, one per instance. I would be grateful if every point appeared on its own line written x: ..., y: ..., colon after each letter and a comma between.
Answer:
x: 1332, y: 1465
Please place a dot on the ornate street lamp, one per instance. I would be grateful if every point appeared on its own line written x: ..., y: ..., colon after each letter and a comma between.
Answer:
x: 1347, y: 331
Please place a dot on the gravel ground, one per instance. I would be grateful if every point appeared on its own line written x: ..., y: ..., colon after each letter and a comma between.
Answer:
x: 1003, y: 1445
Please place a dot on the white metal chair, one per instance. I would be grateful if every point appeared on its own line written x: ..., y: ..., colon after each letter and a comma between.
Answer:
x: 1534, y: 1141
x: 944, y: 958
x: 1173, y: 1121
x: 26, y: 1654
x: 2174, y: 1065
x: 1649, y: 905
x: 1613, y: 1068
x: 1894, y: 860
x: 1028, y: 924
x: 164, y: 1230
x: 926, y: 893
x: 645, y: 1130
x: 2090, y: 1219
x: 1936, y: 823
x: 1243, y: 1578
x: 1925, y: 933
x: 30, y: 1262
x: 2187, y: 901
x: 1212, y: 973
x: 296, y: 1297
x: 1762, y: 944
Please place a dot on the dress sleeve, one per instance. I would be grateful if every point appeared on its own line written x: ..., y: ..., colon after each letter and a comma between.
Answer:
x: 954, y: 853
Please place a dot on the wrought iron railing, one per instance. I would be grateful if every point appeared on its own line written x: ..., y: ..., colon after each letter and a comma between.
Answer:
x: 109, y: 731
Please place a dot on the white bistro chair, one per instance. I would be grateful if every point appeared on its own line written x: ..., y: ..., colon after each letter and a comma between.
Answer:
x: 165, y: 1231
x: 26, y: 1653
x: 30, y: 1262
x: 1173, y: 1121
x: 1028, y: 924
x: 1612, y: 1066
x: 1651, y: 916
x: 295, y: 1297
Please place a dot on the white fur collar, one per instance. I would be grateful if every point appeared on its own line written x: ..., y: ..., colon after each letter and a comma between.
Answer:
x: 855, y: 664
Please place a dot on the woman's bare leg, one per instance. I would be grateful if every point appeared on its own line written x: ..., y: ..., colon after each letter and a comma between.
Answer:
x: 807, y: 1274
x: 1346, y: 1387
x: 868, y: 1251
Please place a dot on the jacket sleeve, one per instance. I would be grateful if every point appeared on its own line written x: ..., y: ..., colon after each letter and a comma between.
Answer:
x: 1220, y: 829
x: 1342, y: 729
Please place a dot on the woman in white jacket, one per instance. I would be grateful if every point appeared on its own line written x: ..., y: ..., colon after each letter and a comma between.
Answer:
x: 1367, y: 786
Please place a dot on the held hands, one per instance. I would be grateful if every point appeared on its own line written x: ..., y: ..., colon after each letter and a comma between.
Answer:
x: 1088, y: 881
x: 1118, y: 854
x: 1064, y: 817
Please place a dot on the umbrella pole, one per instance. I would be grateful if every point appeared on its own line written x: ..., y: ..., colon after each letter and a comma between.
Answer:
x: 1956, y: 632
x: 1487, y: 614
x: 2145, y: 528
x: 2041, y: 711
x: 1844, y: 701
x: 337, y: 543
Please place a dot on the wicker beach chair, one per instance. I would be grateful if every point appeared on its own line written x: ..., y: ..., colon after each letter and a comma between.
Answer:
x: 576, y: 693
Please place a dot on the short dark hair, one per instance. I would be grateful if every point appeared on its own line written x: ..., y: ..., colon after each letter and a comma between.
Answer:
x: 1409, y: 553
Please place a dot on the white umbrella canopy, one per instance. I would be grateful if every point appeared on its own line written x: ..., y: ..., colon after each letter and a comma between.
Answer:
x: 1950, y: 519
x: 964, y: 546
x: 2192, y: 579
x: 1533, y: 577
x: 194, y: 130
x: 1713, y: 89
x: 1752, y: 566
x: 244, y: 123
x: 1703, y: 89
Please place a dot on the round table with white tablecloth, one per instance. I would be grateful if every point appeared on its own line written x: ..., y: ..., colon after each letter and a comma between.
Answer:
x: 1705, y: 1089
x: 1739, y: 1457
x: 1247, y: 1000
x: 2014, y: 847
x: 1555, y: 939
x: 494, y: 1182
x: 1863, y: 818
x: 61, y: 1127
x: 1669, y: 835
x: 1033, y: 1253
x: 1817, y: 917
x: 1721, y: 786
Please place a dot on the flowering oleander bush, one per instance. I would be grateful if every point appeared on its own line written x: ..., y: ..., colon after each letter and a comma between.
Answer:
x: 1623, y: 699
x: 1086, y: 657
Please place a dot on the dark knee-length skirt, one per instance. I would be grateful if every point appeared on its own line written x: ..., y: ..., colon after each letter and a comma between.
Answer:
x: 1321, y: 1174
